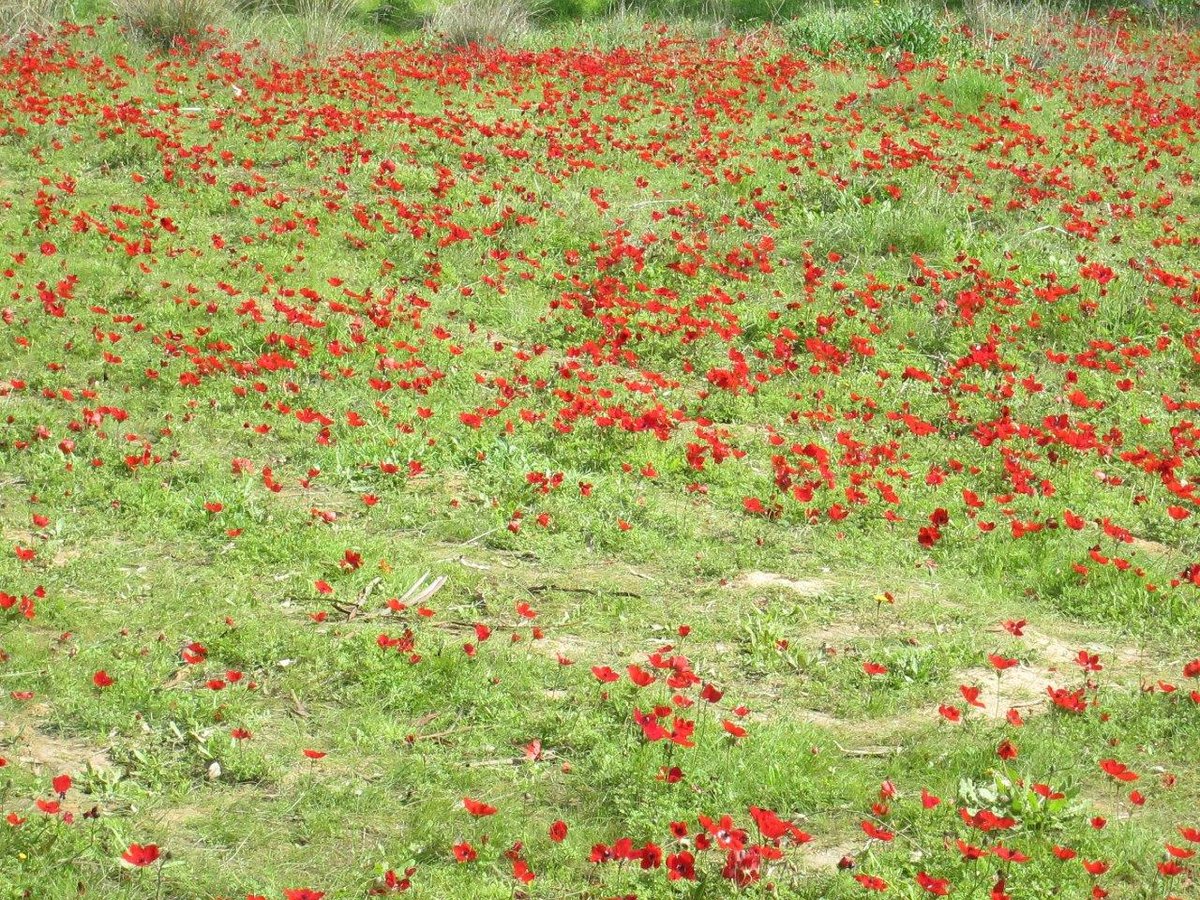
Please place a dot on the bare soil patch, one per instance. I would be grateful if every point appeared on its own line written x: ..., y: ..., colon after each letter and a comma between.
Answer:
x: 54, y: 754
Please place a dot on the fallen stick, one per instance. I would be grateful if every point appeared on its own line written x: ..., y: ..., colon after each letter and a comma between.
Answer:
x: 868, y: 751
x: 298, y: 707
x: 546, y: 588
x: 350, y: 610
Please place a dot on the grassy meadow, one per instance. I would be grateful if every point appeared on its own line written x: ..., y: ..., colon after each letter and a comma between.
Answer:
x: 667, y: 451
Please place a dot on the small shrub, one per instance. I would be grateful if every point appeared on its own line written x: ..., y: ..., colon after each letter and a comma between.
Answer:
x: 21, y: 18
x: 826, y: 30
x: 466, y: 22
x: 163, y: 23
x: 908, y: 28
x: 400, y: 14
x: 894, y: 27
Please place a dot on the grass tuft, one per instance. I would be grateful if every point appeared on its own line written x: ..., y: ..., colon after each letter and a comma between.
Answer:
x: 466, y: 22
x: 166, y: 23
x: 322, y: 27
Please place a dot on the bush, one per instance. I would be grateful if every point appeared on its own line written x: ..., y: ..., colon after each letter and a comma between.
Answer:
x: 908, y: 28
x: 902, y: 27
x: 164, y: 23
x: 465, y: 22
